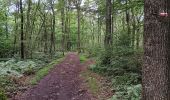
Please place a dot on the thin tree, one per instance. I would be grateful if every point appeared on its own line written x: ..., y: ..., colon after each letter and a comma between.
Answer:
x: 22, y: 30
x: 52, y: 46
x: 63, y: 24
x: 28, y: 29
x: 77, y: 3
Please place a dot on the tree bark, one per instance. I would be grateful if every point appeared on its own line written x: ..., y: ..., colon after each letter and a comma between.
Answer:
x: 108, y: 35
x: 52, y: 46
x: 22, y: 31
x: 156, y: 65
x: 16, y: 27
x: 6, y: 23
x: 63, y: 25
x: 78, y: 29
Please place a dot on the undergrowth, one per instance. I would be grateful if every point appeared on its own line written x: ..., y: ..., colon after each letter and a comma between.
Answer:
x: 2, y: 95
x: 122, y: 64
x: 14, y: 71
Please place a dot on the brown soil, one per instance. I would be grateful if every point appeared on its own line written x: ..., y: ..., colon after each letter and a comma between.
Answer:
x: 62, y: 83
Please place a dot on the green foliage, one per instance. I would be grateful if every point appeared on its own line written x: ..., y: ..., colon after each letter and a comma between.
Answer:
x: 127, y: 87
x: 83, y: 58
x: 6, y: 49
x: 122, y: 64
x: 94, y: 51
x: 121, y: 59
x: 17, y: 68
x: 2, y: 95
x: 5, y: 81
x: 128, y: 93
x: 29, y: 71
x: 126, y: 79
x: 6, y: 84
x: 44, y: 71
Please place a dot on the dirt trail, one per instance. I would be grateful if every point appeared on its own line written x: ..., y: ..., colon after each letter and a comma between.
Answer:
x: 62, y: 83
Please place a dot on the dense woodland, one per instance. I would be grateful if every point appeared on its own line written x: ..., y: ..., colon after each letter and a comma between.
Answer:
x: 120, y: 35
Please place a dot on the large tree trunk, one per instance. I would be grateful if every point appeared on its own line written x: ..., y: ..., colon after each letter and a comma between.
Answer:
x: 52, y: 45
x: 156, y: 67
x: 108, y: 35
x: 22, y: 31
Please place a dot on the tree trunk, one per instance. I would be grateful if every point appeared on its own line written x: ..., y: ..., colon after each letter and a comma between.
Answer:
x: 6, y: 24
x: 108, y: 35
x: 78, y: 29
x: 99, y: 29
x: 133, y: 29
x: 63, y: 25
x: 68, y: 29
x: 138, y: 34
x: 52, y: 46
x: 156, y: 67
x: 16, y: 27
x: 127, y: 18
x: 22, y: 31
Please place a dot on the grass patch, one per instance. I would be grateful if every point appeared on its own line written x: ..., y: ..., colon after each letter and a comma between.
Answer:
x: 44, y: 71
x: 83, y: 58
x: 91, y: 82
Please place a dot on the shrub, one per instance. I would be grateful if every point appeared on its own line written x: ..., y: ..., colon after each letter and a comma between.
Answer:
x: 122, y: 63
x: 6, y: 48
x: 29, y: 71
x: 19, y: 68
x: 129, y: 93
x: 94, y: 51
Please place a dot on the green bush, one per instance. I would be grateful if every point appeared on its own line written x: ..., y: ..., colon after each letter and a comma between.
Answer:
x: 129, y: 93
x: 126, y: 79
x: 127, y: 87
x: 119, y: 61
x: 94, y: 51
x: 122, y: 64
x: 6, y: 48
x: 29, y: 71
x: 17, y: 68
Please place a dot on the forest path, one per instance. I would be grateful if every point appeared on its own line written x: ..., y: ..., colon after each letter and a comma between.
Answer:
x: 62, y: 83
